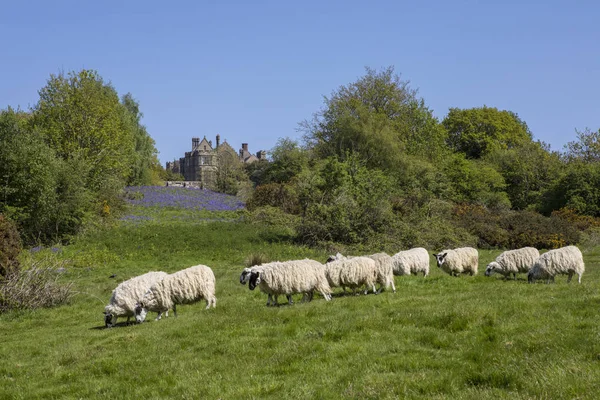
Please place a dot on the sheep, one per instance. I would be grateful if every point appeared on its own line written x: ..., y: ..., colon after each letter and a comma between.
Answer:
x: 411, y: 261
x: 513, y: 262
x: 462, y: 260
x: 384, y: 269
x: 289, y: 277
x: 352, y: 272
x: 125, y: 296
x: 183, y: 287
x: 566, y: 260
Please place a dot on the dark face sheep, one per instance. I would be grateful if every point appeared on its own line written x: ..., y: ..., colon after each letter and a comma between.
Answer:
x: 254, y: 280
x: 109, y: 320
x: 440, y: 258
x: 140, y: 313
x: 245, y: 276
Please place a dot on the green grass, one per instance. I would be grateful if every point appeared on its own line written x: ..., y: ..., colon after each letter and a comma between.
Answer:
x: 440, y: 337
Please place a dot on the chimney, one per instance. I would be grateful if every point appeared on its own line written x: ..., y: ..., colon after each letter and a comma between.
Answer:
x: 218, y: 140
x: 245, y: 146
x: 195, y: 142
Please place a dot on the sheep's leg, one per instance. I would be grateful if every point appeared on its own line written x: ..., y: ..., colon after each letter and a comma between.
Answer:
x: 268, y: 300
x: 570, y: 276
x: 158, y: 316
x: 378, y: 290
x: 167, y: 314
x: 289, y: 298
x: 374, y: 291
x: 393, y: 286
x: 130, y: 317
x: 175, y: 310
x: 579, y: 277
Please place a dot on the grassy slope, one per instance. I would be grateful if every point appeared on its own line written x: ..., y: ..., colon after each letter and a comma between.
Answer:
x: 442, y: 337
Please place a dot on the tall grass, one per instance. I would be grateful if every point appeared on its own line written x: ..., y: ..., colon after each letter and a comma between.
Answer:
x: 439, y: 337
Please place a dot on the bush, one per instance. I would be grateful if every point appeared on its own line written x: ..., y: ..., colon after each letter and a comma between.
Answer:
x: 10, y: 246
x: 35, y: 287
x: 274, y: 195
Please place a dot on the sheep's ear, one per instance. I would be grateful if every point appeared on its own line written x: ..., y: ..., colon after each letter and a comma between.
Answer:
x: 104, y: 312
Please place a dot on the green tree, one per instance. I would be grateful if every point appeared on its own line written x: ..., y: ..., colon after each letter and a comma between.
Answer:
x: 81, y: 117
x: 378, y: 117
x: 144, y: 160
x: 586, y: 147
x: 528, y: 170
x: 478, y: 131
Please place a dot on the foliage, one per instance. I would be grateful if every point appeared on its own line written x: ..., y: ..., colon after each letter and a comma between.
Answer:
x: 379, y: 118
x: 529, y: 170
x: 35, y: 286
x: 10, y: 246
x: 144, y: 160
x: 275, y: 195
x: 81, y: 116
x: 479, y: 131
x: 586, y: 148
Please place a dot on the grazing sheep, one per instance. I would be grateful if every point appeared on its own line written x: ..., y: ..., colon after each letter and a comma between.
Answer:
x: 458, y: 261
x: 384, y: 269
x: 411, y: 261
x: 125, y: 296
x: 352, y: 272
x: 289, y: 277
x: 271, y: 297
x: 566, y: 260
x: 513, y: 262
x: 183, y: 287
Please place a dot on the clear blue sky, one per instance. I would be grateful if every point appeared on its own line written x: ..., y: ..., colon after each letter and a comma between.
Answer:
x: 251, y: 70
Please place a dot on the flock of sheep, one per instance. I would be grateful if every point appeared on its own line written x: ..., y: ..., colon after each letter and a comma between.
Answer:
x: 158, y: 292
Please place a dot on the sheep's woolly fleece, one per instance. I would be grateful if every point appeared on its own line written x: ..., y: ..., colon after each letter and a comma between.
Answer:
x: 566, y: 260
x: 459, y: 261
x: 290, y: 277
x: 352, y: 272
x: 411, y: 261
x: 130, y: 292
x: 513, y: 262
x: 182, y: 287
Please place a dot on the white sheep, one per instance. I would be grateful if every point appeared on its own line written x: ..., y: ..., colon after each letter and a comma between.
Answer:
x: 352, y: 272
x: 288, y: 278
x: 411, y: 261
x: 183, y: 287
x: 513, y: 262
x: 384, y: 269
x: 271, y: 296
x: 566, y: 260
x: 458, y: 261
x: 125, y: 296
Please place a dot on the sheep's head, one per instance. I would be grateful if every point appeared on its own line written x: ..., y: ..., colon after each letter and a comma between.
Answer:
x: 254, y: 280
x: 140, y: 313
x: 337, y: 257
x: 440, y: 258
x: 109, y: 319
x: 245, y: 276
x: 491, y: 268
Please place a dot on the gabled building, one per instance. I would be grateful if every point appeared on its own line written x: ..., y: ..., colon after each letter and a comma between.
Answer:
x: 202, y: 163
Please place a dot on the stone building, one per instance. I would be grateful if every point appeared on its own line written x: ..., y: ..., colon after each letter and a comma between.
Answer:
x: 202, y: 163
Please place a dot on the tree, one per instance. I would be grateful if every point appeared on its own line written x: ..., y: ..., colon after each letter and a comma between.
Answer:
x: 379, y: 118
x: 145, y: 156
x: 81, y: 117
x: 586, y: 147
x: 479, y: 131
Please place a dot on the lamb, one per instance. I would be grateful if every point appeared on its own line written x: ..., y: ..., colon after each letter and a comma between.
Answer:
x: 384, y: 269
x: 458, y: 261
x: 289, y: 277
x: 566, y: 260
x: 183, y: 287
x: 125, y: 296
x: 352, y: 272
x: 513, y: 262
x: 411, y: 261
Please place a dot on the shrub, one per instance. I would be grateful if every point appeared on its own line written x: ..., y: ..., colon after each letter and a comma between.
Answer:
x: 35, y: 287
x: 255, y: 259
x: 10, y: 246
x: 274, y: 195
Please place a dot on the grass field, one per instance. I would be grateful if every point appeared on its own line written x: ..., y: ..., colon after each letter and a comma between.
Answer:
x: 440, y: 337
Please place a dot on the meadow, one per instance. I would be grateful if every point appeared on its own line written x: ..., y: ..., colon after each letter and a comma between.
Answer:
x: 440, y: 337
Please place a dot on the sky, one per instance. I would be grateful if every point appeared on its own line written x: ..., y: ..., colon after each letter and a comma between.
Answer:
x: 251, y: 71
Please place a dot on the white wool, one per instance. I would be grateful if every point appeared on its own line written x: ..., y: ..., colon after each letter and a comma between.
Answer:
x: 411, y: 261
x: 513, y: 262
x: 459, y: 261
x: 129, y: 293
x: 291, y: 277
x: 383, y: 267
x: 566, y: 260
x: 183, y: 287
x: 352, y: 272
